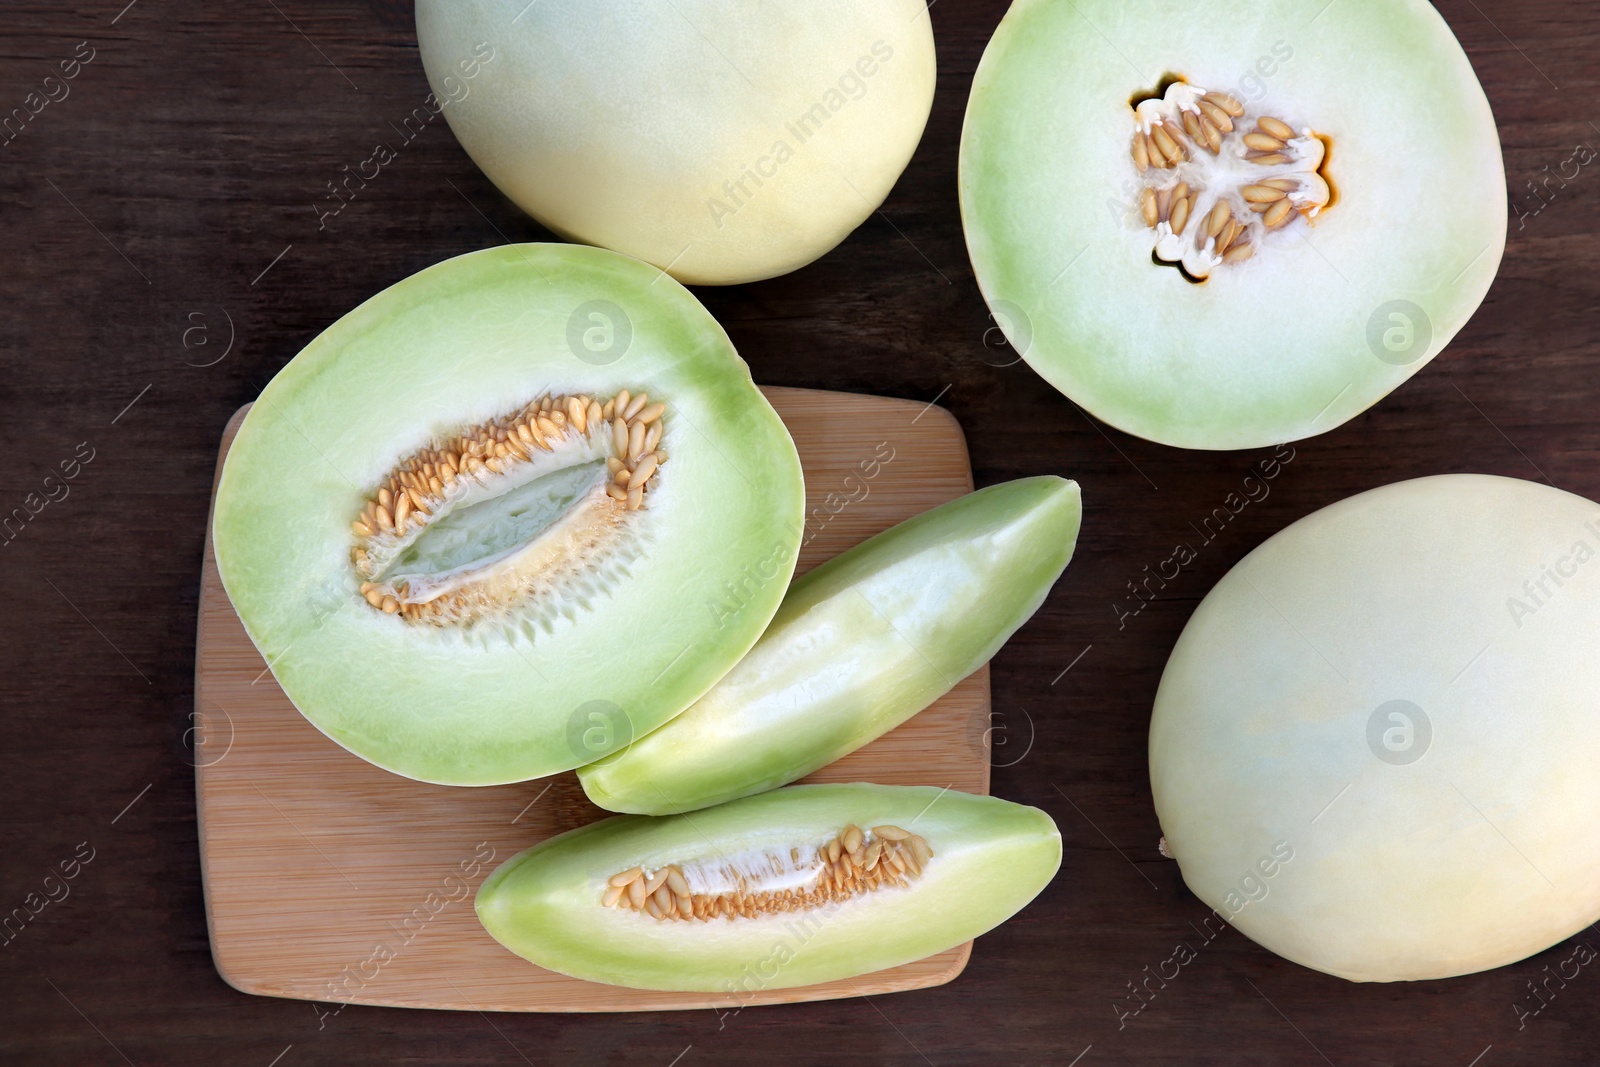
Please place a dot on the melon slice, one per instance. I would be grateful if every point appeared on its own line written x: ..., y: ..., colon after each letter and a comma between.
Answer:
x: 861, y: 644
x: 1374, y: 748
x: 806, y: 884
x: 1230, y: 227
x: 469, y: 527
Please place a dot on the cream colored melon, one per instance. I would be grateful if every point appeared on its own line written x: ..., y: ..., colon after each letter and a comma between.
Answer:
x: 1376, y: 746
x: 720, y: 140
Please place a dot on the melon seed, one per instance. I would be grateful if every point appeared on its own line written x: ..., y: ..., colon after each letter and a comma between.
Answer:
x: 1251, y: 163
x: 1280, y: 130
x: 425, y: 486
x: 852, y: 863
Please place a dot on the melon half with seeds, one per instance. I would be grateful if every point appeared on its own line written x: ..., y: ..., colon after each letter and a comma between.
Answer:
x: 484, y: 527
x: 811, y: 883
x: 1233, y: 225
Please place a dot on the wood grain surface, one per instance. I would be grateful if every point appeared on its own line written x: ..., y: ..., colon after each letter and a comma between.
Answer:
x: 163, y: 257
x: 329, y: 879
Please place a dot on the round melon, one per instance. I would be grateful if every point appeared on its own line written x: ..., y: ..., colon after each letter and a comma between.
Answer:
x: 480, y: 527
x: 1374, y: 748
x: 1229, y: 227
x: 724, y: 142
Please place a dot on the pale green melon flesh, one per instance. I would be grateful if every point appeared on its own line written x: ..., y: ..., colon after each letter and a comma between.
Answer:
x: 1424, y: 846
x: 465, y: 341
x: 720, y: 140
x: 990, y: 858
x: 1281, y: 346
x: 860, y: 644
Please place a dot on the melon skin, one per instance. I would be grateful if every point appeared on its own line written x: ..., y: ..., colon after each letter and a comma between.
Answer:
x: 991, y: 857
x: 458, y: 343
x: 1435, y: 844
x: 862, y: 643
x: 722, y: 141
x: 1281, y: 347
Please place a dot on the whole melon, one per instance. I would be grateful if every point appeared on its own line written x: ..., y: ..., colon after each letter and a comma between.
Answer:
x: 721, y: 140
x: 1375, y: 746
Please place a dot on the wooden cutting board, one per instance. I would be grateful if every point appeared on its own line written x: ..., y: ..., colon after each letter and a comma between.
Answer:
x: 330, y: 880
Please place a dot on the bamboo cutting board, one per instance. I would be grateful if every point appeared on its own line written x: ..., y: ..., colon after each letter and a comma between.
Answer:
x: 330, y: 880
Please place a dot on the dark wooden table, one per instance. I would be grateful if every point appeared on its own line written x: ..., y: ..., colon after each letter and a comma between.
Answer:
x: 163, y: 258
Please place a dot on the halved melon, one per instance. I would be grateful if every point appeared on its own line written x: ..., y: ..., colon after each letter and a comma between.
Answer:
x: 722, y: 141
x: 1233, y: 226
x: 800, y: 885
x: 1374, y: 748
x: 470, y: 527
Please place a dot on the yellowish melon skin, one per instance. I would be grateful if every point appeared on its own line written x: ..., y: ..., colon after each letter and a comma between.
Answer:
x: 1457, y: 837
x: 722, y: 141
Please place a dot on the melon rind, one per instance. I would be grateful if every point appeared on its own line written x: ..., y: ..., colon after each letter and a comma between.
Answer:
x: 861, y: 644
x: 1472, y: 851
x: 991, y: 857
x: 461, y: 342
x: 720, y: 140
x: 1277, y: 348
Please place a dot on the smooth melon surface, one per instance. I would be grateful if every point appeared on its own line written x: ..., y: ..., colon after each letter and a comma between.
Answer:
x: 990, y: 858
x: 720, y: 140
x: 1402, y: 691
x: 622, y: 650
x: 861, y: 643
x: 1301, y: 337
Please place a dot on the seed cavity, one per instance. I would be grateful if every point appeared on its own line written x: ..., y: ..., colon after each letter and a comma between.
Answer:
x: 851, y: 863
x: 1246, y: 175
x: 438, y: 541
